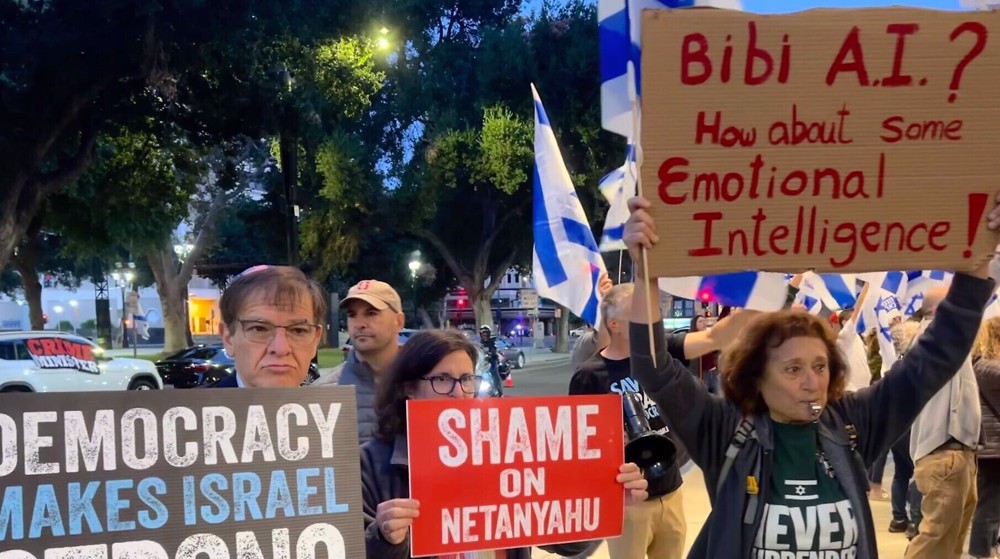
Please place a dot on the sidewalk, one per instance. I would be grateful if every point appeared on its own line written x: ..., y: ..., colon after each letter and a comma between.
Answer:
x: 696, y: 509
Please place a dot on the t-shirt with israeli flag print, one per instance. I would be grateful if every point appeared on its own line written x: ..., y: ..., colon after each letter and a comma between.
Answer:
x: 807, y: 514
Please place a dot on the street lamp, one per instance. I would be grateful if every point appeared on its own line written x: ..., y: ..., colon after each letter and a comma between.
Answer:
x: 383, y: 40
x: 123, y: 276
x: 414, y: 269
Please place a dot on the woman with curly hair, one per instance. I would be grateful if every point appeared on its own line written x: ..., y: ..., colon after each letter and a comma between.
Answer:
x: 785, y: 452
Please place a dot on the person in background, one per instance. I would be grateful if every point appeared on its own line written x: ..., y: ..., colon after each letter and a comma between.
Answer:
x: 784, y: 453
x: 272, y: 323
x: 983, y: 541
x: 432, y: 364
x: 374, y: 319
x: 943, y: 442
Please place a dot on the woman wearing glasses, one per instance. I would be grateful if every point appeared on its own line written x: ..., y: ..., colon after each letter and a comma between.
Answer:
x: 271, y: 326
x: 432, y: 364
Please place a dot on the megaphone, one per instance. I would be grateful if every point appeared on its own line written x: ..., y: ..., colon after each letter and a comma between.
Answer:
x: 651, y: 451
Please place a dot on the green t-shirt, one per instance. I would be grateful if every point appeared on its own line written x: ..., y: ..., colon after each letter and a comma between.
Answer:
x: 807, y: 515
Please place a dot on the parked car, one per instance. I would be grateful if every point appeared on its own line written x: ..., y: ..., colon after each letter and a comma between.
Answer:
x: 50, y: 361
x: 195, y: 366
x: 204, y: 364
x: 510, y: 353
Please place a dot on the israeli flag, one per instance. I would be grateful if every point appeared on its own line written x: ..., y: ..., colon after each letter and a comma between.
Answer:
x: 812, y: 292
x: 566, y: 261
x: 761, y: 291
x: 617, y: 187
x: 881, y: 308
x: 141, y: 322
x: 918, y: 283
x: 618, y: 28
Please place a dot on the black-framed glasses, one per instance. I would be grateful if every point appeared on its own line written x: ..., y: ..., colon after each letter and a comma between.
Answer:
x: 445, y: 384
x: 262, y: 332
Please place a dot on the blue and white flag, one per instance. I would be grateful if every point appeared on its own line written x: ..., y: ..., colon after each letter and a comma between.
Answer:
x: 621, y: 83
x: 566, y: 261
x: 918, y: 283
x: 881, y: 308
x: 812, y: 293
x: 761, y: 291
x: 617, y: 187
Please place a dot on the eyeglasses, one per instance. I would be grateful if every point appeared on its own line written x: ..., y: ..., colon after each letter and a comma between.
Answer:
x: 261, y: 332
x: 445, y: 384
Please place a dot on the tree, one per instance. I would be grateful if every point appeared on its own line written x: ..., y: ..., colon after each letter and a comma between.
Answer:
x: 131, y: 202
x: 70, y: 71
x: 41, y: 252
x: 470, y: 203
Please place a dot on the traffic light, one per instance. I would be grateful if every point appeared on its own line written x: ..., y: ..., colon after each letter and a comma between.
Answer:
x: 462, y: 302
x: 705, y: 296
x: 45, y: 318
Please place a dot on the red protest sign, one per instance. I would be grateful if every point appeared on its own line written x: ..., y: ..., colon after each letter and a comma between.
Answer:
x: 514, y: 472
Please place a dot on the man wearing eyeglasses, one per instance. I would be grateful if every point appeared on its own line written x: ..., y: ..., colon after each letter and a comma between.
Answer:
x: 374, y: 319
x: 272, y: 323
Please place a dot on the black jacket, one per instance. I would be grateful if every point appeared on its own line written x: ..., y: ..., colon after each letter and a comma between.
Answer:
x: 988, y: 378
x: 877, y: 416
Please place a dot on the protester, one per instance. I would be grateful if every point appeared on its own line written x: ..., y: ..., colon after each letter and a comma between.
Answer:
x: 489, y: 345
x: 784, y: 453
x: 903, y: 492
x: 272, y: 323
x: 943, y: 443
x: 433, y: 364
x: 852, y: 346
x: 986, y: 520
x: 374, y: 319
x: 656, y: 527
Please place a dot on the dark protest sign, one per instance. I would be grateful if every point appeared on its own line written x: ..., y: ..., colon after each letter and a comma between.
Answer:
x: 206, y: 474
x: 497, y: 473
x: 834, y: 140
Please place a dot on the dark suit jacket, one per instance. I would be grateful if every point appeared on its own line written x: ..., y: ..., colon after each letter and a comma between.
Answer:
x: 225, y: 382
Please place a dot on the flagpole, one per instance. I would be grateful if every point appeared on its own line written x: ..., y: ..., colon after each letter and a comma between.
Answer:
x: 637, y: 146
x: 621, y: 255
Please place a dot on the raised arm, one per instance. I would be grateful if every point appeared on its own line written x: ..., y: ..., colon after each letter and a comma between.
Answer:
x: 704, y: 423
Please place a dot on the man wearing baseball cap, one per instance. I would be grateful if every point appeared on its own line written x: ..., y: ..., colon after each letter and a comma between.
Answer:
x: 374, y: 319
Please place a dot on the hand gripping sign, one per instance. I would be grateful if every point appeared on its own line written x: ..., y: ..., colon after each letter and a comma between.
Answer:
x: 514, y: 472
x: 833, y: 140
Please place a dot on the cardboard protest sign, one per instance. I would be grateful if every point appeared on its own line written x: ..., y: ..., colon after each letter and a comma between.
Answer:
x: 181, y: 473
x: 499, y: 473
x: 834, y: 140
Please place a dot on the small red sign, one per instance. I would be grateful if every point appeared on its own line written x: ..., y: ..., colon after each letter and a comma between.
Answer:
x: 500, y: 473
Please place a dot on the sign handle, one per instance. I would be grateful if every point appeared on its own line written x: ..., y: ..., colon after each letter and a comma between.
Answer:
x: 637, y: 146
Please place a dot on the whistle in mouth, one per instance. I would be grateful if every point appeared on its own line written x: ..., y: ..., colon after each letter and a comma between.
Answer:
x: 816, y: 409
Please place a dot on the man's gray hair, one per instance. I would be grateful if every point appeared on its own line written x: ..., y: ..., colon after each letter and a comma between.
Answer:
x: 613, y: 304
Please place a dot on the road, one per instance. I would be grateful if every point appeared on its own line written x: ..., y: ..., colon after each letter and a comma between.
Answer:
x: 546, y: 375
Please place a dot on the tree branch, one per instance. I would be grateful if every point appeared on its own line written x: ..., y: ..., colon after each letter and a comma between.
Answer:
x: 449, y: 257
x: 49, y: 184
x: 500, y: 271
x: 207, y: 230
x: 483, y: 256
